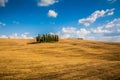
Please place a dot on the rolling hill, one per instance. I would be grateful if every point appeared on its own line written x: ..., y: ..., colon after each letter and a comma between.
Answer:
x: 67, y: 59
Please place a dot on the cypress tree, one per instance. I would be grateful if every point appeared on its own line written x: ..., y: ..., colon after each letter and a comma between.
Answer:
x: 47, y: 38
x: 38, y: 38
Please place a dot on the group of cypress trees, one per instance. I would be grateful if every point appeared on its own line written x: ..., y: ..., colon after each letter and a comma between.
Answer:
x: 47, y: 38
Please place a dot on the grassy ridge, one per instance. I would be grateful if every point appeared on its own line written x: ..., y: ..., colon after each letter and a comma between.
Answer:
x: 64, y: 60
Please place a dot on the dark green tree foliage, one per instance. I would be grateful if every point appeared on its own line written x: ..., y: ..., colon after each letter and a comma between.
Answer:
x: 38, y: 38
x: 47, y: 38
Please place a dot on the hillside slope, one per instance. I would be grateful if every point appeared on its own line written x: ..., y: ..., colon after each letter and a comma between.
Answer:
x: 67, y: 59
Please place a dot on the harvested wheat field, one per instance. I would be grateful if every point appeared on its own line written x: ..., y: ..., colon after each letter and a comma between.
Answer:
x: 67, y: 59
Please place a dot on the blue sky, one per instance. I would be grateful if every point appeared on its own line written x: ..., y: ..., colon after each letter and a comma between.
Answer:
x: 94, y: 20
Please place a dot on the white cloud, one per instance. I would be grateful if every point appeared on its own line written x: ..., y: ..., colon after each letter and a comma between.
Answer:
x: 2, y: 24
x: 81, y: 33
x: 101, y: 30
x: 107, y: 32
x: 25, y: 36
x: 109, y: 12
x: 110, y: 27
x: 106, y: 38
x: 94, y: 16
x: 3, y: 2
x: 16, y: 36
x: 46, y: 2
x: 3, y: 36
x: 72, y: 32
x: 118, y: 30
x: 69, y: 30
x: 113, y: 24
x: 52, y: 13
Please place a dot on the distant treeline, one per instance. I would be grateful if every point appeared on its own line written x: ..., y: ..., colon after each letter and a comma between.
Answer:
x: 47, y: 38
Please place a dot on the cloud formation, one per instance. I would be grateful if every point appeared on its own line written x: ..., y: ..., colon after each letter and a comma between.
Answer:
x: 46, y: 2
x: 16, y: 36
x: 25, y: 36
x: 94, y: 16
x: 72, y: 32
x: 100, y: 30
x: 3, y: 36
x: 110, y: 27
x: 113, y: 24
x: 52, y: 13
x: 107, y: 32
x: 3, y: 2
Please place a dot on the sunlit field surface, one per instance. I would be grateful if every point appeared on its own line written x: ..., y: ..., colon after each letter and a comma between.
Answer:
x: 68, y: 59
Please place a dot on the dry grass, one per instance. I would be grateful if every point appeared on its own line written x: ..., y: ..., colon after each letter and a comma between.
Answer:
x: 66, y: 60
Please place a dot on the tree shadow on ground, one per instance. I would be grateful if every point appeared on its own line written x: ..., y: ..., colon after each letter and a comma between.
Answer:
x: 32, y: 43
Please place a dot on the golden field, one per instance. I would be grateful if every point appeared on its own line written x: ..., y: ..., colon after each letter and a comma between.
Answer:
x: 68, y: 59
